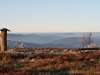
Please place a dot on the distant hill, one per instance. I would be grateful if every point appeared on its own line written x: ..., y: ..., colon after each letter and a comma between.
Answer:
x: 49, y: 39
x: 74, y: 41
x: 33, y: 38
x: 14, y: 44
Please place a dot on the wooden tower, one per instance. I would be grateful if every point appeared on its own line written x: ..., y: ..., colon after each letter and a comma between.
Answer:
x: 4, y: 39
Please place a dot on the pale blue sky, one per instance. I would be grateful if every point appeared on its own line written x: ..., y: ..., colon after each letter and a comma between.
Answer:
x: 50, y: 15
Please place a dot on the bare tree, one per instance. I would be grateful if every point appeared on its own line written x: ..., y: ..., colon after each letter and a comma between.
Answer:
x: 87, y: 41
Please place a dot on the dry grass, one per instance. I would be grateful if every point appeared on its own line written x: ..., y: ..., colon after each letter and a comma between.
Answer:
x: 46, y: 64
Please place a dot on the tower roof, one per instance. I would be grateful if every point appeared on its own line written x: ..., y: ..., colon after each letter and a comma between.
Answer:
x: 4, y: 29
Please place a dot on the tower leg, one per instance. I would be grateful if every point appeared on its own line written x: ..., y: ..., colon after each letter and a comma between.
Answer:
x: 4, y: 41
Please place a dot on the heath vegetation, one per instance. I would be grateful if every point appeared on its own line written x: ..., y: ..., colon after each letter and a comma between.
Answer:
x: 50, y: 64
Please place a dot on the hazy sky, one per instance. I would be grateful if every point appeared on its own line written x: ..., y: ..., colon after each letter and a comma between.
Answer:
x: 50, y: 15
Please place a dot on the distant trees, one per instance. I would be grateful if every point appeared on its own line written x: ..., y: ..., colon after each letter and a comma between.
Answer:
x: 87, y: 41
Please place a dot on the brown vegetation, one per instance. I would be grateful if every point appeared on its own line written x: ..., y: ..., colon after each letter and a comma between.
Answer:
x: 49, y: 64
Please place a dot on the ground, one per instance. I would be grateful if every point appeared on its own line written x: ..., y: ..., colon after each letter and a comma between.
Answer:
x: 50, y: 64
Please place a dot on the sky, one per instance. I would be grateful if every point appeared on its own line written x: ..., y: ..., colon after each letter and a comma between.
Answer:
x: 50, y: 15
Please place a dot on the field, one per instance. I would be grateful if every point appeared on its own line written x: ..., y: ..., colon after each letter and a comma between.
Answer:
x: 16, y: 63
